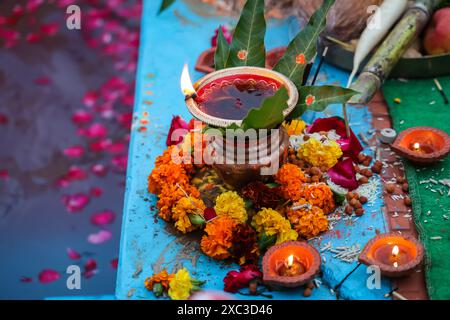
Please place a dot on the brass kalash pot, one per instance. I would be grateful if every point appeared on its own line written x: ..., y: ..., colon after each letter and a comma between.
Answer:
x: 244, y: 158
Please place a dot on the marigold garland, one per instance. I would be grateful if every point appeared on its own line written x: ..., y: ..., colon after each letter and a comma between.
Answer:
x: 232, y: 205
x: 320, y: 154
x: 320, y: 195
x: 170, y: 195
x: 308, y: 220
x: 270, y: 223
x: 183, y: 209
x: 291, y: 178
x: 218, y: 239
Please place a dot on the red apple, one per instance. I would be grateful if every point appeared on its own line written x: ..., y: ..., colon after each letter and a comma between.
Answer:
x: 437, y: 36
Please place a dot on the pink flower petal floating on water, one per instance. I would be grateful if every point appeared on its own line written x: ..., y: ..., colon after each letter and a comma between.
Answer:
x: 114, y: 262
x: 25, y: 279
x: 117, y: 147
x: 99, y: 146
x: 74, y: 152
x: 4, y: 175
x: 99, y: 237
x: 90, y: 268
x: 90, y: 98
x: 3, y: 119
x: 96, y: 192
x: 43, y: 81
x: 96, y: 130
x: 99, y: 170
x: 120, y: 163
x: 33, y: 5
x: 75, y: 202
x: 73, y: 255
x: 344, y: 174
x: 49, y: 29
x: 48, y: 275
x: 103, y: 218
x: 33, y: 37
x: 81, y: 117
x: 74, y: 174
x: 125, y: 119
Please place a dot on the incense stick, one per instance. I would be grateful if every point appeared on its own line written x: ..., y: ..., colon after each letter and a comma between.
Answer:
x: 441, y: 90
x: 322, y: 59
x: 347, y: 126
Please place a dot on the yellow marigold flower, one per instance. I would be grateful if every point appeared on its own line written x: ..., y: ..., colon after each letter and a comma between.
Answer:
x: 180, y: 286
x: 218, y: 238
x: 163, y: 278
x: 270, y: 222
x: 170, y: 195
x: 291, y: 179
x: 320, y: 195
x: 308, y: 220
x: 232, y: 205
x: 320, y: 154
x: 185, y: 207
x: 295, y: 128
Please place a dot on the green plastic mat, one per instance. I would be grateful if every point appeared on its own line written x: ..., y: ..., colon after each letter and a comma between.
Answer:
x: 422, y: 105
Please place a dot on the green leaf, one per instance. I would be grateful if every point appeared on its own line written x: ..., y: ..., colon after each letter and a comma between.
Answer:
x: 222, y: 51
x: 304, y: 43
x: 265, y: 241
x: 165, y: 4
x: 270, y: 114
x: 247, y: 47
x: 318, y: 98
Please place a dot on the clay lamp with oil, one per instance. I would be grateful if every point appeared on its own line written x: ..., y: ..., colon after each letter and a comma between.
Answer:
x: 223, y: 98
x: 422, y: 145
x: 396, y: 255
x: 290, y: 264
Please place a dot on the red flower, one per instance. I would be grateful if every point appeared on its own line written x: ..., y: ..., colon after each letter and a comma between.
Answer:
x: 261, y: 195
x: 344, y: 174
x: 235, y: 280
x: 226, y: 33
x: 177, y: 123
x: 48, y: 275
x: 209, y: 214
x: 350, y: 146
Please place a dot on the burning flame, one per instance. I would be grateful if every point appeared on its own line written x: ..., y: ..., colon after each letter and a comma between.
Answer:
x: 395, y: 264
x: 416, y: 146
x: 186, y: 84
x: 290, y: 260
x: 395, y: 251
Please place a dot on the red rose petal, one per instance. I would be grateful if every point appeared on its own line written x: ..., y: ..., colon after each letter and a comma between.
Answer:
x: 120, y: 163
x: 235, y: 280
x: 177, y: 124
x: 49, y: 29
x: 344, y: 174
x: 103, y: 218
x: 96, y: 130
x: 43, y: 81
x: 81, y: 117
x: 96, y: 192
x: 90, y: 99
x: 99, y: 170
x: 209, y: 214
x: 48, y: 275
x: 114, y: 262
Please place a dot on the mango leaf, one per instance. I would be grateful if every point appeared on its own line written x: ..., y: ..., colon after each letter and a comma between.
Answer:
x: 270, y: 114
x: 303, y: 47
x: 247, y: 47
x: 165, y: 4
x: 318, y: 98
x: 222, y: 51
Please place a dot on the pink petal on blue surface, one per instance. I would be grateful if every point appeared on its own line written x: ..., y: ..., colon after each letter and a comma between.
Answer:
x: 75, y: 202
x: 73, y: 255
x: 48, y: 275
x: 103, y: 218
x: 99, y: 237
x: 74, y: 152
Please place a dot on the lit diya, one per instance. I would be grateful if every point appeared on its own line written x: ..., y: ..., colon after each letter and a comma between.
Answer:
x: 396, y: 255
x: 224, y: 97
x: 290, y: 264
x: 422, y: 144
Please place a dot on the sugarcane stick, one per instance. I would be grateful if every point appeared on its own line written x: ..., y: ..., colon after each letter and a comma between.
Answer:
x: 391, y: 50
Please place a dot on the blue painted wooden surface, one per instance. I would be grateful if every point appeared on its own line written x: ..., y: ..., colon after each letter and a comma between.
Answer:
x: 168, y: 41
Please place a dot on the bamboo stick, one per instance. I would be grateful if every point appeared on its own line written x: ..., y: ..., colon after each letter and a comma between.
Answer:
x: 392, y: 49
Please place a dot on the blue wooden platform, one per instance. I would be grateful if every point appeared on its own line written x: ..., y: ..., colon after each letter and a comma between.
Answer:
x: 168, y: 41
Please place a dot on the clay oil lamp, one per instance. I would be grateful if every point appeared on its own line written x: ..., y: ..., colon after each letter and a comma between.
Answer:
x: 422, y: 145
x: 223, y: 98
x: 396, y: 255
x: 290, y: 264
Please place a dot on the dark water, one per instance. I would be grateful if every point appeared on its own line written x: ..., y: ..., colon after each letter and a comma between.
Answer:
x: 41, y: 85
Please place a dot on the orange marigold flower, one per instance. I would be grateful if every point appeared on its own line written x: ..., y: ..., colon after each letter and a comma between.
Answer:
x: 218, y: 239
x: 320, y: 195
x: 170, y: 195
x: 183, y: 209
x: 308, y: 220
x: 166, y: 174
x: 291, y: 179
x: 163, y: 278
